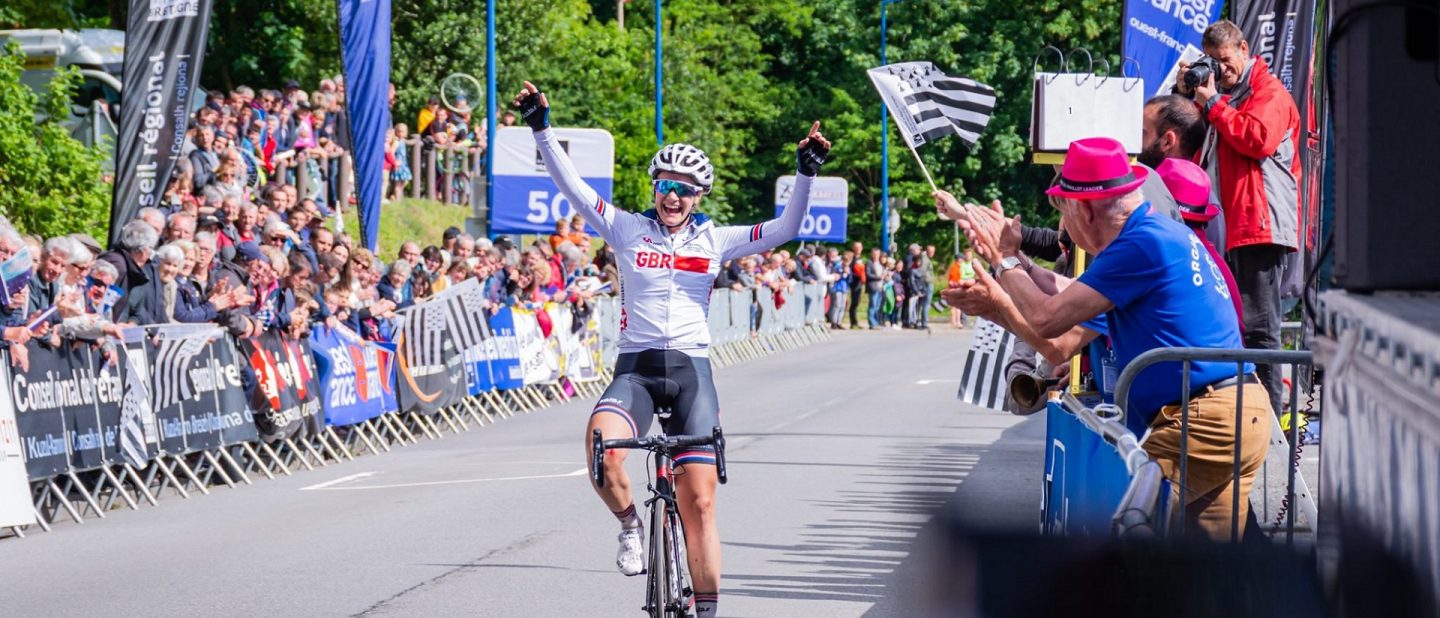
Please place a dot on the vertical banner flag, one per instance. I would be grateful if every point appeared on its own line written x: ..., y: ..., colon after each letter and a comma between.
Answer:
x: 982, y: 380
x: 526, y: 200
x: 164, y: 46
x: 1279, y: 31
x: 365, y: 49
x: 829, y: 199
x: 1159, y: 33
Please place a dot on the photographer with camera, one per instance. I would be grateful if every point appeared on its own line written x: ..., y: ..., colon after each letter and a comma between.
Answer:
x: 1249, y: 152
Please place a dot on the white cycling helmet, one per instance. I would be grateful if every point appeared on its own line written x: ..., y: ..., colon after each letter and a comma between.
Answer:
x: 684, y: 159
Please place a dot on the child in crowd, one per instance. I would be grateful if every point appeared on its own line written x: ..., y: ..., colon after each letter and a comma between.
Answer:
x: 401, y: 176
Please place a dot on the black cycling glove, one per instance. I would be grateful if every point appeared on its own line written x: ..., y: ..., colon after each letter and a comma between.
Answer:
x: 811, y: 157
x: 535, y: 113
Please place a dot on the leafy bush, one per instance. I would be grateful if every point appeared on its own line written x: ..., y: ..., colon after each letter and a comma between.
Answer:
x: 50, y: 183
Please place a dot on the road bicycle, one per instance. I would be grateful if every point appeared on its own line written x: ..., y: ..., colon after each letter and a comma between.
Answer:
x: 668, y: 589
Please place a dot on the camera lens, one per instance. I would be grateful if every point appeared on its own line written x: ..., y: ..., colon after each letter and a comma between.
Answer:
x: 1197, y: 74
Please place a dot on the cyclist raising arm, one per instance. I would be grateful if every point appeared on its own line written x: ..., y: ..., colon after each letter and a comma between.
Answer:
x: 668, y: 258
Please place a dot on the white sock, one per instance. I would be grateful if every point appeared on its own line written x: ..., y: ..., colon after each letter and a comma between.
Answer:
x: 705, y: 604
x: 629, y: 519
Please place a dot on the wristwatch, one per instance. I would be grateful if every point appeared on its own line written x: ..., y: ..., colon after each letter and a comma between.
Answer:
x: 1009, y: 263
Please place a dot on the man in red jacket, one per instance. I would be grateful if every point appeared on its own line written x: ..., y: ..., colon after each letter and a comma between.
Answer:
x: 1250, y: 153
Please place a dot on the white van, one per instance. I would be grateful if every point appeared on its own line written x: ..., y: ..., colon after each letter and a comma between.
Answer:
x: 98, y: 54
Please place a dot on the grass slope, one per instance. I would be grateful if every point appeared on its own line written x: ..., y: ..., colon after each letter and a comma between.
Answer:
x: 422, y: 221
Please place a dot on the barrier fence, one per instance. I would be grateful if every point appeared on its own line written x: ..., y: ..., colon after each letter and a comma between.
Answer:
x: 180, y: 409
x: 1099, y: 481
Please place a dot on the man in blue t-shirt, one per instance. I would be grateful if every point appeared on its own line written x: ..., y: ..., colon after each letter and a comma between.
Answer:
x: 1157, y: 287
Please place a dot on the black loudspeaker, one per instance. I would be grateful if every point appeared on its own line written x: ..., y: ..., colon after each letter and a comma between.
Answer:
x: 1387, y: 146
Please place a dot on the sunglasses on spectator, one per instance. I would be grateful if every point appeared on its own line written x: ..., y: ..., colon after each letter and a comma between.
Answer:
x: 680, y: 189
x: 276, y: 240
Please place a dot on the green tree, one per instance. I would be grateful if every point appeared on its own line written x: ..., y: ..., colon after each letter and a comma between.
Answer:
x: 263, y: 43
x: 50, y: 183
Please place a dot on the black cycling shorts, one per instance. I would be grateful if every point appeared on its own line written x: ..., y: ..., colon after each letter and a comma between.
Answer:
x: 672, y: 385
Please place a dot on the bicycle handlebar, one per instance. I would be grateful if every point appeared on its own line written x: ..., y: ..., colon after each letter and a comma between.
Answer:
x: 660, y: 444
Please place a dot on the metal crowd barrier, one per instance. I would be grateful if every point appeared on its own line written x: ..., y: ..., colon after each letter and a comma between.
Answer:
x: 90, y: 491
x: 1284, y: 449
x: 1141, y: 511
x: 735, y: 336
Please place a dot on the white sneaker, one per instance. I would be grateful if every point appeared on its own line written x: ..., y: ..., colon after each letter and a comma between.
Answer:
x: 631, y: 557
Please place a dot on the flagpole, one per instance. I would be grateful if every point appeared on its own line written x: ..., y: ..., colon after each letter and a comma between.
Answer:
x: 922, y: 166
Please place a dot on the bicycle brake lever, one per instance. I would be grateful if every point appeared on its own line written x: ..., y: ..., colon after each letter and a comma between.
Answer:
x: 720, y: 472
x: 597, y: 456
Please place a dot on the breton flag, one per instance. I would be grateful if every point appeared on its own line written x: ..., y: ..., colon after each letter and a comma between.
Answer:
x: 464, y: 310
x: 137, y: 427
x: 424, y: 333
x: 172, y: 368
x: 928, y: 104
x: 982, y: 382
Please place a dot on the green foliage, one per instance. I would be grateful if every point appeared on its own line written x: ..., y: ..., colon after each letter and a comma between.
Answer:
x: 418, y: 220
x: 50, y: 183
x: 263, y: 43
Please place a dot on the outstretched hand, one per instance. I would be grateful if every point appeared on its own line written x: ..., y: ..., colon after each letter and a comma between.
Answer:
x: 533, y: 106
x: 990, y: 232
x: 813, y: 151
x: 947, y: 206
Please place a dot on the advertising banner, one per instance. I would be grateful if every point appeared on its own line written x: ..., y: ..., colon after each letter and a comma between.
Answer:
x: 1085, y: 479
x: 1281, y: 33
x: 526, y: 200
x: 365, y: 51
x: 15, y: 506
x: 539, y: 364
x: 1158, y: 33
x: 164, y: 47
x: 829, y: 199
x: 352, y: 387
x: 283, y: 402
x: 42, y: 395
x: 503, y: 350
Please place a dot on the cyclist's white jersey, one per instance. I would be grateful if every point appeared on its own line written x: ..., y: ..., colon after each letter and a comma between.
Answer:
x: 666, y: 279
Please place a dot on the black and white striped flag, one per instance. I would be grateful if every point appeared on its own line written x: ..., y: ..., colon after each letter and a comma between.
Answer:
x: 424, y: 332
x: 928, y: 104
x: 137, y: 426
x: 464, y: 309
x: 982, y: 382
x: 172, y: 368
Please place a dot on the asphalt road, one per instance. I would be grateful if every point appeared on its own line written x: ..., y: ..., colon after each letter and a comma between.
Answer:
x: 839, y: 455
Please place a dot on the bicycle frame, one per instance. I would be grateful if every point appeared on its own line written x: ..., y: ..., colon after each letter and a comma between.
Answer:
x: 667, y: 585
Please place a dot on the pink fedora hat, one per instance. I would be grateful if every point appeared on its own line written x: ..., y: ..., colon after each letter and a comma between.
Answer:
x: 1097, y: 168
x: 1191, y: 187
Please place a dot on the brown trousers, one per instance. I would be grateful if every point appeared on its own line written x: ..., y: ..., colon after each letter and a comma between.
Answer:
x: 1208, y: 492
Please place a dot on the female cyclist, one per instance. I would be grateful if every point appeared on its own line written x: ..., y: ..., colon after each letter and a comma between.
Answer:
x: 668, y: 258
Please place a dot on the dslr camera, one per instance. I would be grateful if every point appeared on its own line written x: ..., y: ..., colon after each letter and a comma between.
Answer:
x: 1200, y: 71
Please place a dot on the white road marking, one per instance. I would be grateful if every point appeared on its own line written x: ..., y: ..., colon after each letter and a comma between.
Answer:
x: 929, y: 382
x: 579, y: 472
x: 343, y: 479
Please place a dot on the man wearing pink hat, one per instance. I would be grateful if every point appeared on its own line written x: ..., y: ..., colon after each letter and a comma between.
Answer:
x: 1191, y: 187
x: 1151, y: 285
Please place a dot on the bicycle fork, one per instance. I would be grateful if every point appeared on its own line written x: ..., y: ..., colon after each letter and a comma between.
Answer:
x: 669, y: 593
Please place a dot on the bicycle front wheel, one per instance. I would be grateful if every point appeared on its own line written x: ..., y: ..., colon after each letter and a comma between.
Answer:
x: 658, y: 599
x: 682, y: 588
